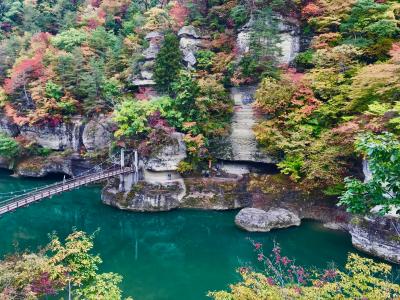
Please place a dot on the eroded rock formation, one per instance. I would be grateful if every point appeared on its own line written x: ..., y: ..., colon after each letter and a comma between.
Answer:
x: 254, y: 219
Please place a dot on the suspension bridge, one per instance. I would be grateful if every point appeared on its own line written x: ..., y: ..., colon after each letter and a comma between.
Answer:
x: 16, y: 199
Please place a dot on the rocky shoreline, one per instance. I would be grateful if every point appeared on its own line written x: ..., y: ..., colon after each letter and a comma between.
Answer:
x: 282, y: 206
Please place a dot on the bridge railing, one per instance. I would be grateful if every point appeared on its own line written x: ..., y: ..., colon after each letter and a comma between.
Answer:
x: 57, y: 185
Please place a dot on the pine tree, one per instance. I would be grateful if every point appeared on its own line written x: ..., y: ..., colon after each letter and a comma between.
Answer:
x: 168, y: 63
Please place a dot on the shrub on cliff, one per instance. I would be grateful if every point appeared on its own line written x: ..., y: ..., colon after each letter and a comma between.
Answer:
x: 168, y: 63
x: 383, y: 189
x: 9, y: 147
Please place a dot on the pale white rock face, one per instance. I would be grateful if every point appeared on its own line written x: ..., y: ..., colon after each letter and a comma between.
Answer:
x: 152, y: 51
x: 7, y: 127
x: 189, y: 31
x: 290, y: 46
x: 243, y: 42
x: 288, y: 34
x: 189, y: 47
x: 147, y: 75
x: 98, y: 133
x: 242, y: 140
x: 235, y: 169
x: 168, y: 158
x: 61, y: 137
x: 153, y: 35
x: 257, y: 220
x: 143, y: 82
x: 367, y: 173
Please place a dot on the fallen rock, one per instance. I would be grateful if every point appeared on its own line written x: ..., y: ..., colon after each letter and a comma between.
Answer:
x: 257, y: 220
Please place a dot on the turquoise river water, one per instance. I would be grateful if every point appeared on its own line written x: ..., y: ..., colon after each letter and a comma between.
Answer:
x: 178, y: 255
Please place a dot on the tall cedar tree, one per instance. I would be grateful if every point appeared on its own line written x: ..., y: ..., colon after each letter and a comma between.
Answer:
x: 168, y: 63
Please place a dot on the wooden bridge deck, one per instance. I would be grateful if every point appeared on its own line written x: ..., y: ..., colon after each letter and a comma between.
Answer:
x: 58, y: 188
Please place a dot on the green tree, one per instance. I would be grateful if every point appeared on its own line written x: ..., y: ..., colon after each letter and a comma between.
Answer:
x: 131, y: 117
x: 383, y: 190
x: 168, y: 63
x: 239, y: 14
x: 264, y: 45
x: 53, y: 90
x: 60, y: 265
x: 74, y: 257
x: 9, y: 148
x: 102, y: 287
x: 102, y: 40
x: 204, y: 59
x: 367, y: 19
x: 186, y: 90
x: 69, y: 39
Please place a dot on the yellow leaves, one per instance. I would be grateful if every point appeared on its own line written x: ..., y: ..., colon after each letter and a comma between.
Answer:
x: 3, y: 97
x: 333, y: 12
x: 132, y: 43
x: 378, y: 78
x: 374, y: 82
x: 362, y: 279
x: 157, y: 19
x: 339, y: 56
x: 221, y: 62
x: 274, y: 96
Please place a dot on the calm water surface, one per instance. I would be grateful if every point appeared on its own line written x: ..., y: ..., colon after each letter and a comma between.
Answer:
x: 177, y: 255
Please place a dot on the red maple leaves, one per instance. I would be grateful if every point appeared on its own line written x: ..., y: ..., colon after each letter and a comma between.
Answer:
x: 26, y: 70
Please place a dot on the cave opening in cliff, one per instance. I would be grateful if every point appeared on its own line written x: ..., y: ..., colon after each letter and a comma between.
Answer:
x: 249, y: 166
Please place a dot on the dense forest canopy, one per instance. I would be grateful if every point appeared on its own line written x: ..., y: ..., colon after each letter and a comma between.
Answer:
x: 63, y: 58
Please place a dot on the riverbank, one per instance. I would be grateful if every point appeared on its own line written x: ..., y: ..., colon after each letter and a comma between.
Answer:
x: 176, y: 255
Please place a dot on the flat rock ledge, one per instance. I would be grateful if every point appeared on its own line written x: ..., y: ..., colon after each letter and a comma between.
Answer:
x: 257, y: 220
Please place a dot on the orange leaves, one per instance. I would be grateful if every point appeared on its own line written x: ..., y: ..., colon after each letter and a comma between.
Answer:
x: 310, y: 10
x: 395, y: 52
x: 24, y: 71
x: 179, y: 13
x: 13, y: 115
x: 40, y: 42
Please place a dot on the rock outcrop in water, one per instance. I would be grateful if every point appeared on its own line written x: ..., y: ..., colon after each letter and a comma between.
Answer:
x: 162, y: 188
x: 377, y: 235
x: 253, y: 219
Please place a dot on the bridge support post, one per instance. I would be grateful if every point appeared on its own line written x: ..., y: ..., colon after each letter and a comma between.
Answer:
x: 135, y: 165
x: 121, y: 177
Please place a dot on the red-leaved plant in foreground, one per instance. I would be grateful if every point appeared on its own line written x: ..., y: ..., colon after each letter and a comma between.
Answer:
x: 282, y: 271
